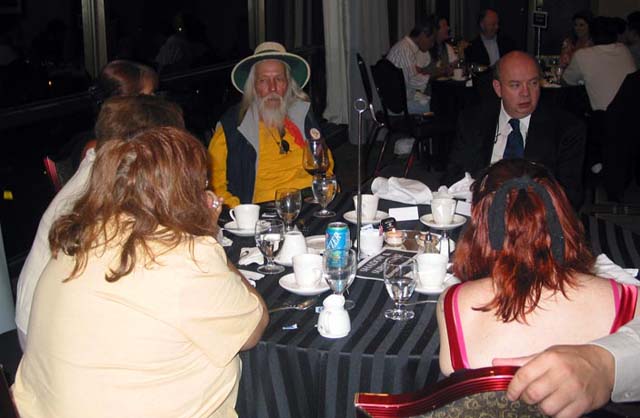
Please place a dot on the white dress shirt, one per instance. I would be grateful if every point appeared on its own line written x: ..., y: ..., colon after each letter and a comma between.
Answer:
x: 406, y: 55
x: 502, y: 133
x: 492, y: 48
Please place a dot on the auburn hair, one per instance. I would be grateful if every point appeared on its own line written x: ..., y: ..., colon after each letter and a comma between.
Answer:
x: 148, y: 188
x: 525, y: 265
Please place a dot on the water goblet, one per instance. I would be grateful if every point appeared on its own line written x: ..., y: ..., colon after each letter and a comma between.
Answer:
x: 269, y: 234
x: 324, y: 190
x: 400, y: 280
x: 288, y: 203
x: 339, y: 271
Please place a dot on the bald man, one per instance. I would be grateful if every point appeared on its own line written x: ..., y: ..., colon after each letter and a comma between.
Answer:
x: 517, y: 127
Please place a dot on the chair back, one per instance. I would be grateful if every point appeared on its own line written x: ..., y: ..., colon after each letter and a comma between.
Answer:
x: 58, y: 171
x: 389, y: 82
x: 468, y: 393
x: 364, y: 76
x: 7, y: 408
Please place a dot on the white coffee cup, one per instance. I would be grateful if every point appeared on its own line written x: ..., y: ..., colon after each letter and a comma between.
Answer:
x: 307, y: 270
x: 333, y: 321
x: 432, y: 270
x: 443, y: 210
x: 369, y: 206
x: 372, y: 241
x: 294, y: 244
x: 245, y: 216
x: 458, y: 74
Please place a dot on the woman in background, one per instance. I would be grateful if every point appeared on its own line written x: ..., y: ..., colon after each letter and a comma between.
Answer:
x: 580, y: 36
x: 138, y: 313
x: 525, y: 268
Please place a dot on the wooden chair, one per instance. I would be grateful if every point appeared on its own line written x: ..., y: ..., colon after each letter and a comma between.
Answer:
x: 7, y: 408
x: 469, y: 393
x: 389, y: 83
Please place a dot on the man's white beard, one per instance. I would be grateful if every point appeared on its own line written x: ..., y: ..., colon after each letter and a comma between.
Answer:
x: 272, y: 117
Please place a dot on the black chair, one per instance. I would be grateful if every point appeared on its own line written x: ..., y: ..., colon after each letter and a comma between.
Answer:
x: 377, y: 123
x: 7, y: 408
x: 58, y: 171
x: 389, y: 82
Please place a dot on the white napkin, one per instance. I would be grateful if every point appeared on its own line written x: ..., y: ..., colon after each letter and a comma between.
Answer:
x: 462, y: 188
x: 401, y: 190
x: 606, y: 268
x: 251, y: 276
x: 249, y: 255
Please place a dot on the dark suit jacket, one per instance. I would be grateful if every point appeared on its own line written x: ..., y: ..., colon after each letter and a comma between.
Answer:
x: 477, y: 53
x: 555, y: 139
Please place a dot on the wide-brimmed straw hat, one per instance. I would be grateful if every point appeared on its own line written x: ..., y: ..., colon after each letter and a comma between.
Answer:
x: 270, y: 50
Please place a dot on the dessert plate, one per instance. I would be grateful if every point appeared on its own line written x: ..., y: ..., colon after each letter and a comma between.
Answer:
x: 288, y: 282
x: 449, y: 280
x: 352, y: 217
x: 233, y: 228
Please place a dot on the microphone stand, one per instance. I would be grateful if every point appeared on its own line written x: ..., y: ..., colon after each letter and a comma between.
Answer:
x: 360, y: 105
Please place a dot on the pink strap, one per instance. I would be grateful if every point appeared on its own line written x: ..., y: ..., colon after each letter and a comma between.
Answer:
x: 624, y: 302
x: 461, y: 345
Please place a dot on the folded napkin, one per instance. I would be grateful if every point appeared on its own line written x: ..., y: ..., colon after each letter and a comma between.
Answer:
x: 604, y: 267
x: 249, y: 255
x: 401, y: 190
x: 251, y: 276
x: 459, y: 190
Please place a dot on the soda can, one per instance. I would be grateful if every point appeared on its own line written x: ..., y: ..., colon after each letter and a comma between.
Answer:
x: 337, y: 243
x: 337, y: 237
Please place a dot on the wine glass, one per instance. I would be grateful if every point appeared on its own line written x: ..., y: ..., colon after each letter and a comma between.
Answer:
x: 339, y: 270
x: 400, y: 279
x: 269, y: 235
x: 315, y: 159
x: 324, y: 190
x: 288, y: 204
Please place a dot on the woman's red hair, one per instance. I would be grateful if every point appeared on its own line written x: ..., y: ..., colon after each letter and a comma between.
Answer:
x: 525, y: 265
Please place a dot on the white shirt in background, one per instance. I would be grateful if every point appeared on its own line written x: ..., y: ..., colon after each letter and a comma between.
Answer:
x: 502, y: 133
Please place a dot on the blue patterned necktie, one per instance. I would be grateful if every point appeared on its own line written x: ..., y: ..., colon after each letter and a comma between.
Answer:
x: 515, y: 143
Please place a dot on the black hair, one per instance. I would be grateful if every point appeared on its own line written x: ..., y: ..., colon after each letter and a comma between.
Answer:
x: 428, y: 27
x: 604, y: 31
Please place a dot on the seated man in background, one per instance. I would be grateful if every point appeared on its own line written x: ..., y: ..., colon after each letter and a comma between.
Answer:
x: 119, y: 118
x: 258, y: 145
x: 517, y: 127
x: 411, y: 54
x: 489, y: 45
x: 602, y: 67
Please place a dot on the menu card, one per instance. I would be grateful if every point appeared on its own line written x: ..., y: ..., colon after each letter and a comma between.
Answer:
x: 372, y: 267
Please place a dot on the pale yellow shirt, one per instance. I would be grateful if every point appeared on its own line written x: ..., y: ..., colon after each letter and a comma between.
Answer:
x: 161, y: 342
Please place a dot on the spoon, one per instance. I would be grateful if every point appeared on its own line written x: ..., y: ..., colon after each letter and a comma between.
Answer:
x: 302, y: 306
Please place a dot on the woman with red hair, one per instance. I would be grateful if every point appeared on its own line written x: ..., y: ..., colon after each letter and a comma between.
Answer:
x: 525, y: 268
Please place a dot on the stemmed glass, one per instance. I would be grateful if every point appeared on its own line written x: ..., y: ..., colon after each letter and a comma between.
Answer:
x: 269, y: 235
x: 288, y: 204
x: 315, y: 159
x: 400, y: 279
x: 324, y: 190
x: 339, y: 270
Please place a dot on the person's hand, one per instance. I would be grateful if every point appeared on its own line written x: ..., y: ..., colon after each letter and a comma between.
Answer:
x: 564, y: 380
x: 215, y: 203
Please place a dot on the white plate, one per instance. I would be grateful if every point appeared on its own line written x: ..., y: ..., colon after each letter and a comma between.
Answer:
x: 233, y: 228
x: 352, y: 217
x: 458, y: 220
x: 289, y: 283
x: 315, y: 244
x: 449, y: 280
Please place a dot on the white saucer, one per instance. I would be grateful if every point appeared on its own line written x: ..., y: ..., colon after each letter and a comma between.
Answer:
x: 231, y: 227
x: 352, y: 217
x: 288, y: 282
x: 449, y: 280
x: 458, y: 220
x: 315, y: 244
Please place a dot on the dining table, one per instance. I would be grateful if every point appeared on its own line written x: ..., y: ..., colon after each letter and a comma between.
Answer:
x: 295, y: 372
